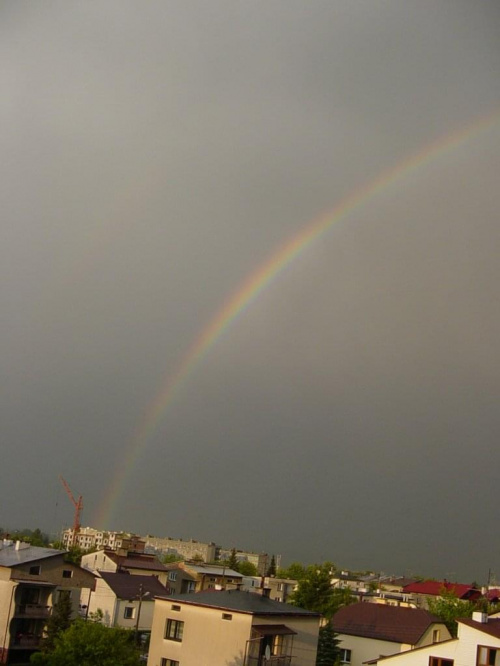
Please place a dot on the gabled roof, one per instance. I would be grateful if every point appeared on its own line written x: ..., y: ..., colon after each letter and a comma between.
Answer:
x: 241, y: 602
x: 387, y: 623
x: 212, y: 570
x: 492, y: 627
x: 127, y: 586
x: 136, y: 561
x: 10, y: 557
x: 437, y: 587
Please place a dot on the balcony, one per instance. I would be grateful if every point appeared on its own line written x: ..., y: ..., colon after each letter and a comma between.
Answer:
x: 26, y: 642
x: 32, y: 610
x: 277, y: 660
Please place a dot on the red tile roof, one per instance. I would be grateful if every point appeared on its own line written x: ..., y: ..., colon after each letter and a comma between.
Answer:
x: 437, y: 587
x: 388, y: 623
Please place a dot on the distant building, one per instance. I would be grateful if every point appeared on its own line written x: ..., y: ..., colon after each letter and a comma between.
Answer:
x: 137, y: 564
x: 261, y: 561
x: 187, y: 550
x: 188, y: 577
x: 231, y: 627
x: 32, y: 580
x: 423, y: 590
x: 278, y: 589
x: 88, y: 538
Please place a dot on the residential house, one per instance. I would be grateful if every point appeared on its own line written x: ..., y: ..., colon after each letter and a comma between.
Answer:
x: 231, y: 628
x: 185, y: 577
x: 477, y: 644
x: 126, y: 601
x: 280, y: 589
x: 367, y: 631
x: 422, y: 591
x: 137, y: 564
x: 31, y: 582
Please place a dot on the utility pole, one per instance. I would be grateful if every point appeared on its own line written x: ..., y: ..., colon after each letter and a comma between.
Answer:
x: 142, y: 594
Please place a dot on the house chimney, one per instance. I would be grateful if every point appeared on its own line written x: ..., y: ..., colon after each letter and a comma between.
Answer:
x: 477, y: 616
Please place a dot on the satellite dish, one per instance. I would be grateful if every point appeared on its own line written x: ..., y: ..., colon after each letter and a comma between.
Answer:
x: 267, y: 653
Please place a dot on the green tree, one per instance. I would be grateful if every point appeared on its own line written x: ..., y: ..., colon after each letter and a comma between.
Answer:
x: 170, y: 558
x: 328, y: 647
x: 91, y: 644
x: 315, y: 591
x: 448, y: 608
x: 272, y: 567
x: 58, y: 622
x: 232, y: 562
x: 296, y: 571
x: 246, y: 568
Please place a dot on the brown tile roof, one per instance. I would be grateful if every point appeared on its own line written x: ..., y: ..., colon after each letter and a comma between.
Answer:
x: 388, y: 623
x: 492, y: 627
x: 127, y: 586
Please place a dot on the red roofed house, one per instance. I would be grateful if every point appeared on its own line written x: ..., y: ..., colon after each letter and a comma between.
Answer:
x: 367, y: 631
x: 434, y: 588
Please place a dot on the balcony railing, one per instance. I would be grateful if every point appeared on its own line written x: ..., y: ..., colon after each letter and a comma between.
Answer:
x: 32, y: 610
x: 26, y: 641
x: 283, y: 660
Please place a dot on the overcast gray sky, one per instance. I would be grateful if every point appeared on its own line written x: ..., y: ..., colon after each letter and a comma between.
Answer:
x: 156, y: 154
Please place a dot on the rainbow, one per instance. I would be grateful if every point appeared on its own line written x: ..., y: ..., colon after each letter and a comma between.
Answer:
x: 254, y: 284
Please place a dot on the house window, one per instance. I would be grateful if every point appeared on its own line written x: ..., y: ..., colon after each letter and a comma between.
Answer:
x: 345, y: 656
x: 67, y: 573
x: 35, y: 570
x: 175, y: 607
x: 168, y: 662
x: 487, y: 656
x: 174, y: 630
x: 172, y: 576
x: 280, y: 587
x: 129, y: 612
x: 440, y: 661
x: 227, y: 616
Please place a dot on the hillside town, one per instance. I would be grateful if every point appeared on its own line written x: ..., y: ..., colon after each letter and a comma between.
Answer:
x: 176, y: 602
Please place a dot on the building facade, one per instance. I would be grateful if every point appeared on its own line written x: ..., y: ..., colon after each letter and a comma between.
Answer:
x: 232, y: 628
x: 32, y: 579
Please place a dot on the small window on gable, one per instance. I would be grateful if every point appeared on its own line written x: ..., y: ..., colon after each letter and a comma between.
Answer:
x: 67, y: 573
x: 169, y: 662
x: 35, y: 570
x: 227, y: 616
x: 129, y: 612
x: 175, y: 607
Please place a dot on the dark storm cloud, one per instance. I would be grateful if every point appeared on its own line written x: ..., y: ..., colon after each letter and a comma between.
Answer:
x: 156, y: 154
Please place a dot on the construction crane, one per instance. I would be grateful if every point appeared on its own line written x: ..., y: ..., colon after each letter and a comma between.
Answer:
x: 78, y: 504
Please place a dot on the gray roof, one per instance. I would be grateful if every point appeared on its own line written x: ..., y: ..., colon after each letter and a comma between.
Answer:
x: 241, y: 602
x: 10, y: 557
x: 128, y: 586
x: 213, y: 570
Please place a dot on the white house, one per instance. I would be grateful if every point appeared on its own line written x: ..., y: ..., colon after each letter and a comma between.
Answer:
x: 366, y: 631
x: 126, y: 601
x: 477, y: 644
